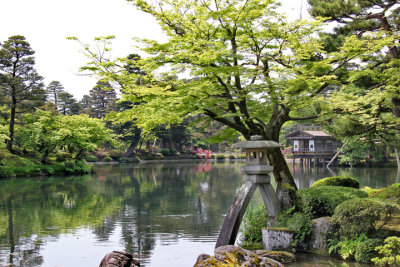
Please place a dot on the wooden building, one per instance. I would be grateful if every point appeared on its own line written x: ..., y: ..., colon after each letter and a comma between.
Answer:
x: 313, y: 147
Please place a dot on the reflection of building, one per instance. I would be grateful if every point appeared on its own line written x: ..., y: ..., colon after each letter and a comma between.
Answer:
x: 313, y: 146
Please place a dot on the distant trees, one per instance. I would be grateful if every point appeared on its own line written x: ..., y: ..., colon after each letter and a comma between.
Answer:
x: 53, y: 91
x: 20, y: 84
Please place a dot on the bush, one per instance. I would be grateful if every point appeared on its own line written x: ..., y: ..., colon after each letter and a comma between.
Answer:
x: 365, y: 250
x: 231, y: 157
x: 338, y: 181
x: 322, y: 200
x: 301, y: 223
x: 172, y: 152
x: 63, y: 156
x: 107, y: 159
x: 220, y: 157
x: 69, y: 164
x: 361, y: 215
x: 165, y: 151
x: 115, y: 154
x: 390, y: 252
x: 254, y: 220
x: 91, y: 158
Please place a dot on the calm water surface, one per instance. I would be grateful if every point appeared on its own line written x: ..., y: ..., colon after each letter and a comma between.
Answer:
x: 165, y: 214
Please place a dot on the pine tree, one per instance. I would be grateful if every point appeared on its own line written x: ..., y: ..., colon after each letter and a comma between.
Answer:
x: 19, y: 81
x: 53, y: 90
x: 102, y: 98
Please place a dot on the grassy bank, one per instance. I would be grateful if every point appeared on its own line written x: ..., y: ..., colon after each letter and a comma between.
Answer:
x: 12, y: 165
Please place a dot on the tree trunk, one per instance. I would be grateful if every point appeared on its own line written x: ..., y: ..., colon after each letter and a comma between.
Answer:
x: 133, y: 145
x: 281, y: 170
x: 12, y: 125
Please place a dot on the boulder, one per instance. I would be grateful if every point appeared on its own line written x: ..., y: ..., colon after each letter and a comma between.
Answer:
x: 277, y: 238
x: 238, y: 256
x: 119, y: 259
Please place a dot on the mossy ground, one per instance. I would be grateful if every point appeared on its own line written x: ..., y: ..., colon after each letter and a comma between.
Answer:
x: 13, y: 165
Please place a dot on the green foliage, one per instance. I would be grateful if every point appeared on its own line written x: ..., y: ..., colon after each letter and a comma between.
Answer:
x: 301, y: 223
x: 338, y: 181
x: 348, y: 246
x: 390, y: 252
x: 107, y: 159
x: 63, y: 156
x: 220, y: 157
x: 254, y: 220
x: 165, y: 151
x: 361, y: 215
x: 91, y: 158
x: 70, y: 164
x: 231, y: 156
x: 47, y: 133
x: 20, y: 84
x: 365, y: 250
x: 115, y: 154
x: 390, y: 193
x: 322, y: 200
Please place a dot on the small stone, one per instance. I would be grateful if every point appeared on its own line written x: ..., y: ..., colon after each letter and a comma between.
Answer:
x: 119, y: 259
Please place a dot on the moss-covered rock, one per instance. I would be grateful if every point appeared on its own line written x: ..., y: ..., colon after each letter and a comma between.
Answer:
x: 321, y: 201
x: 338, y: 181
x: 236, y: 256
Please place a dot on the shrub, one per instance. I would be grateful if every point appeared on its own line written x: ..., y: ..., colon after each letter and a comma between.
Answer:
x: 220, y: 157
x: 322, y: 200
x: 107, y: 159
x: 338, y: 181
x: 361, y: 215
x: 91, y: 158
x: 390, y: 252
x: 301, y: 223
x: 63, y: 156
x: 165, y: 151
x: 115, y: 154
x: 365, y: 250
x: 231, y: 157
x: 172, y: 152
x: 69, y: 164
x: 254, y: 220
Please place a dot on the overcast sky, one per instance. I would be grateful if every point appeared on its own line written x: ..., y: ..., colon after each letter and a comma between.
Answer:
x: 47, y: 23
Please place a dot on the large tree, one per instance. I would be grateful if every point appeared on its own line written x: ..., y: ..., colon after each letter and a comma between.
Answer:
x: 368, y: 31
x: 237, y: 62
x: 19, y: 81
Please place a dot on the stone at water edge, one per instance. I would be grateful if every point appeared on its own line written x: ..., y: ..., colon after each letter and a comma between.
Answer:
x: 119, y: 259
x: 277, y: 238
x: 235, y: 254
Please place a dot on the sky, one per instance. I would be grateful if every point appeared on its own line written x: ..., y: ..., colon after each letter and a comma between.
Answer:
x: 47, y: 23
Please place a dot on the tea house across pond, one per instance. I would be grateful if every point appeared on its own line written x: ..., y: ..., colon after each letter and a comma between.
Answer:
x: 313, y: 147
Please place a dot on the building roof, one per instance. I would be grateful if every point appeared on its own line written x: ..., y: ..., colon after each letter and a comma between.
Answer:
x: 309, y: 133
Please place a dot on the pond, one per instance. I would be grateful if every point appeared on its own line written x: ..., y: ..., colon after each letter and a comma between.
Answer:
x: 165, y: 214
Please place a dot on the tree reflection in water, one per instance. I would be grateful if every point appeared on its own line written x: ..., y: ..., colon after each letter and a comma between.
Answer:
x: 163, y: 202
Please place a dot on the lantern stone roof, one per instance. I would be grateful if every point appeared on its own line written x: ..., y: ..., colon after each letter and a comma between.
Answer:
x: 309, y: 135
x: 256, y: 142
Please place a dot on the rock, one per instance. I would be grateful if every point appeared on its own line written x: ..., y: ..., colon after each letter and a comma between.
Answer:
x: 275, y: 238
x: 281, y: 256
x: 235, y: 255
x: 119, y: 259
x: 318, y: 240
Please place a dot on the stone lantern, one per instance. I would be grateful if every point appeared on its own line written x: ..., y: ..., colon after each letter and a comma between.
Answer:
x: 256, y: 172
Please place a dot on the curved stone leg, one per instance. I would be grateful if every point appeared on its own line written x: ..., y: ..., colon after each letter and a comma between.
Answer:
x: 230, y: 227
x: 270, y: 198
